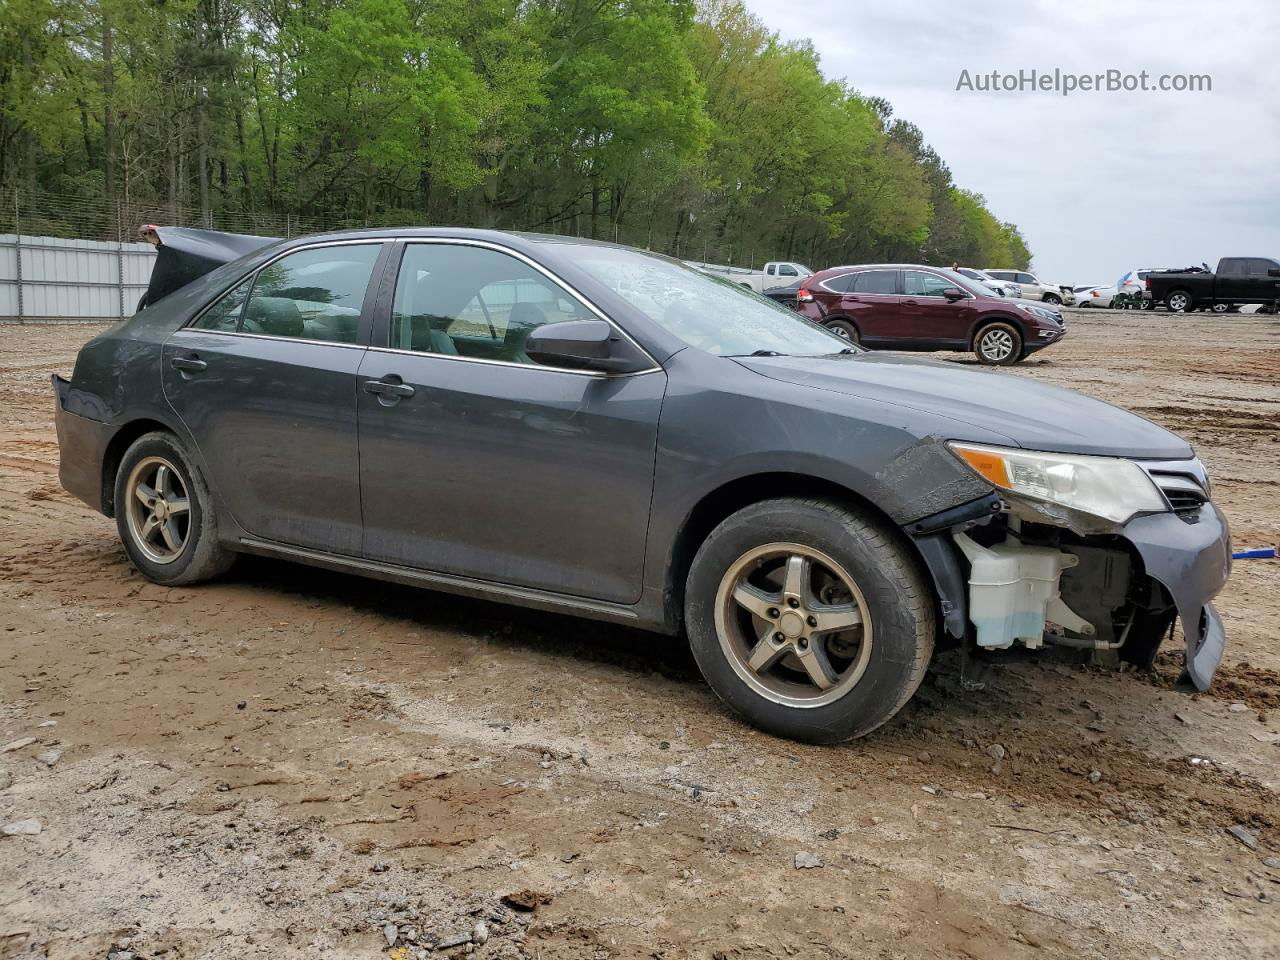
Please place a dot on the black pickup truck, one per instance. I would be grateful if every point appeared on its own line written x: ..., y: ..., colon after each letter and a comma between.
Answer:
x: 1237, y: 280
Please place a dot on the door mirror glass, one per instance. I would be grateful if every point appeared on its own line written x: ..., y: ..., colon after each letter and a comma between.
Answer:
x: 953, y: 293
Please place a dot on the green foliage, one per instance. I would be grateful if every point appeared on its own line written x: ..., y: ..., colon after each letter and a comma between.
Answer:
x: 686, y: 128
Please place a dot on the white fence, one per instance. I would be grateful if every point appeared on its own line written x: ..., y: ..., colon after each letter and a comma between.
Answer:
x: 52, y: 278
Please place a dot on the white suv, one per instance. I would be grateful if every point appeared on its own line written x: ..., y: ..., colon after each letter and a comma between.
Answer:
x: 1032, y: 288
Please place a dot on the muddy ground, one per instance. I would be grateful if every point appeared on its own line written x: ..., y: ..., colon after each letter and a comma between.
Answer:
x: 291, y: 763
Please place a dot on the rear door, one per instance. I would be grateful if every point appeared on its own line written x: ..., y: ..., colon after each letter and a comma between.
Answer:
x: 873, y: 304
x: 477, y: 462
x: 265, y: 382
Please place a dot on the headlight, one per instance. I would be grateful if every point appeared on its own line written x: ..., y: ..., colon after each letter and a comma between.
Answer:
x: 1106, y: 487
x: 1038, y: 312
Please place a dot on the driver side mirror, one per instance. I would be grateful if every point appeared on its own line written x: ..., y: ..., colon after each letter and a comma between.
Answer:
x: 953, y: 293
x: 584, y: 345
x: 1273, y: 272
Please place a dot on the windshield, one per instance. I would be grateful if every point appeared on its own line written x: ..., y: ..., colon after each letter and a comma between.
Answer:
x: 705, y: 311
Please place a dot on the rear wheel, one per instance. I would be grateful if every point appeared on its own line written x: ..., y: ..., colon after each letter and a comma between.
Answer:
x: 999, y: 344
x: 165, y: 515
x: 1179, y: 301
x: 808, y: 619
x: 844, y: 329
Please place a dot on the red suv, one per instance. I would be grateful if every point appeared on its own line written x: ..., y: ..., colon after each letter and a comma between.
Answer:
x: 908, y: 307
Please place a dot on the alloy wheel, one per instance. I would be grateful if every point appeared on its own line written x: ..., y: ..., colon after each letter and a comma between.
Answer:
x: 793, y: 625
x: 996, y: 344
x: 158, y: 509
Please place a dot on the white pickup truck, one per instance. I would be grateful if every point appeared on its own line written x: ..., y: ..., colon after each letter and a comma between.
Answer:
x: 776, y: 273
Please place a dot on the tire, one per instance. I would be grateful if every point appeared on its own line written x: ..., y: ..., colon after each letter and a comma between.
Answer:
x: 873, y: 667
x: 1179, y: 301
x: 998, y: 344
x: 1053, y: 298
x: 845, y: 329
x: 1221, y: 308
x: 186, y: 552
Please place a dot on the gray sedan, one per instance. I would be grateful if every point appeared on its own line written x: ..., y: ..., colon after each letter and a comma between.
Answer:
x: 600, y: 431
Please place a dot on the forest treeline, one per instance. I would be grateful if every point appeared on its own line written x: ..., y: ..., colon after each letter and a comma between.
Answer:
x: 679, y: 125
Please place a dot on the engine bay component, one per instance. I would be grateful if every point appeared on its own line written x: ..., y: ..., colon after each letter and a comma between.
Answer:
x: 1014, y: 589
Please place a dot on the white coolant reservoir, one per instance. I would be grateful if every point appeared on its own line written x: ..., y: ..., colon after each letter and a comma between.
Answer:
x: 1013, y: 588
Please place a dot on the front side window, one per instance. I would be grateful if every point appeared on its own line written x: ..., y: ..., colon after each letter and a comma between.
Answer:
x: 468, y: 301
x: 314, y: 294
x: 876, y: 281
x: 224, y: 314
x: 918, y: 284
x: 1260, y: 267
x: 787, y: 270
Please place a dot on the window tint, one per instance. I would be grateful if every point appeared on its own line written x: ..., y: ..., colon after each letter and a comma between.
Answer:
x: 919, y: 284
x: 787, y: 270
x: 313, y: 294
x: 473, y: 302
x: 1006, y: 275
x: 772, y: 268
x: 876, y: 281
x: 1232, y: 268
x: 1025, y: 278
x: 840, y: 284
x: 1260, y: 267
x: 225, y: 312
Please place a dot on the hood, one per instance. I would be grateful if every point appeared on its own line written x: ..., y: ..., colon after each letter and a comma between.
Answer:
x: 1032, y: 415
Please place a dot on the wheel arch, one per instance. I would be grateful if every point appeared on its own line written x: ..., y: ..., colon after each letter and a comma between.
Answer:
x: 718, y: 504
x: 115, y: 450
x: 987, y: 320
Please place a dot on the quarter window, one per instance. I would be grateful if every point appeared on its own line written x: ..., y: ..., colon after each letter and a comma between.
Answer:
x: 315, y: 294
x: 840, y: 284
x: 467, y: 301
x: 876, y: 281
x: 225, y: 312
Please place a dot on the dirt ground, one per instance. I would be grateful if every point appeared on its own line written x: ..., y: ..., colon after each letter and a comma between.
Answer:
x: 298, y: 764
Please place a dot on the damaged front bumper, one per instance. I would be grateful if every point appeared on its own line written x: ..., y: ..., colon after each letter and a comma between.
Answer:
x: 1191, y: 559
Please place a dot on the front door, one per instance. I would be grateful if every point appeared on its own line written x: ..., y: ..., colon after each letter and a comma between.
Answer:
x: 476, y: 461
x: 927, y: 317
x: 265, y: 382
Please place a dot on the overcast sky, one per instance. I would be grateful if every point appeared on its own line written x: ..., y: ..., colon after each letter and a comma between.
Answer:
x: 1099, y: 183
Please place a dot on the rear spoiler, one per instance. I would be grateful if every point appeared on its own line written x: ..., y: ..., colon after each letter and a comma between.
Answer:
x: 184, y: 254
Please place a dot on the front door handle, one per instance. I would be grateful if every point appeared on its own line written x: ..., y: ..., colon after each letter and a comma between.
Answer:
x: 388, y: 388
x: 188, y: 364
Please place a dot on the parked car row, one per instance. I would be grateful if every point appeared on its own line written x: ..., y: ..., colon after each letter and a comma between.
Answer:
x: 1238, y: 281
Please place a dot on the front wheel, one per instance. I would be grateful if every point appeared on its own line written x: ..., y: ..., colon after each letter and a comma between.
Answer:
x: 999, y: 344
x: 165, y: 514
x: 809, y: 619
x: 1053, y: 299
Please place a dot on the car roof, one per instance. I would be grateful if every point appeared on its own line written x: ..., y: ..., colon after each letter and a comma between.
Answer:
x: 877, y: 266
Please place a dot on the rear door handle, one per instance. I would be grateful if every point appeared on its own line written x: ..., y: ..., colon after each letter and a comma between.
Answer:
x: 188, y: 364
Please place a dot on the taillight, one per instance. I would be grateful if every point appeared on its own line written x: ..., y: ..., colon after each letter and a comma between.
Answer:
x: 1147, y: 281
x: 804, y: 296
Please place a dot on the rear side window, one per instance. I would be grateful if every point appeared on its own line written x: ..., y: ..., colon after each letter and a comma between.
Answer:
x: 876, y: 281
x: 315, y: 294
x: 1005, y: 275
x: 224, y: 314
x: 1025, y: 278
x: 1232, y: 268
